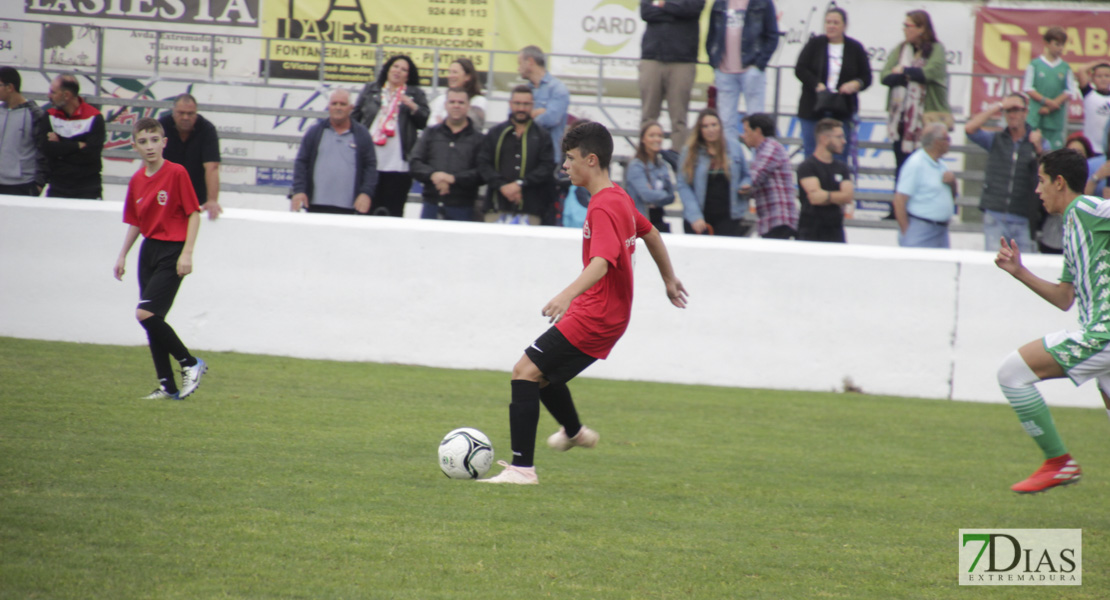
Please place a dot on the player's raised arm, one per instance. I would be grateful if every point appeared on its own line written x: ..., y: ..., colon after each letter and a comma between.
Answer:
x: 658, y: 250
x: 1060, y: 294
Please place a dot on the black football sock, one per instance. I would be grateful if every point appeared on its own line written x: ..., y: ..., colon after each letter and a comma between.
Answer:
x: 157, y: 328
x: 162, y: 366
x: 556, y: 397
x: 524, y: 417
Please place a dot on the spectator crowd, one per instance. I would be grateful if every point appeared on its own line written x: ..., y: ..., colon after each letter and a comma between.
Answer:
x: 730, y: 170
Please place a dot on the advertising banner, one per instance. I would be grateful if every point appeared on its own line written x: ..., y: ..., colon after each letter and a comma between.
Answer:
x: 1007, y: 40
x: 201, y: 38
x: 348, y: 39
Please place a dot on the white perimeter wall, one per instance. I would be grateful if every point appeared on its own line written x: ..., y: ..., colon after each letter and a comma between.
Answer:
x: 769, y: 314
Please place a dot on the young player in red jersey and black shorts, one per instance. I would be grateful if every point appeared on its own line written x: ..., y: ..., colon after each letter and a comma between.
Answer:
x: 591, y: 314
x: 161, y: 206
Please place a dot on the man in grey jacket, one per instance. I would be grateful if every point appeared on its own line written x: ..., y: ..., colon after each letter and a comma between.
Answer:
x: 22, y: 134
x: 445, y: 160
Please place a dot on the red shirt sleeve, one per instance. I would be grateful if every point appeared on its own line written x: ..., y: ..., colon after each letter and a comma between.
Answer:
x: 643, y: 225
x: 130, y: 215
x: 604, y: 238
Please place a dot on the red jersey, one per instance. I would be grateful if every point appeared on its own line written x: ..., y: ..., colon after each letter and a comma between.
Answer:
x: 597, y: 319
x: 160, y: 205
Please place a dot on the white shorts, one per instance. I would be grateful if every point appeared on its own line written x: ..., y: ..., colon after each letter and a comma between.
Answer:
x: 1081, y: 355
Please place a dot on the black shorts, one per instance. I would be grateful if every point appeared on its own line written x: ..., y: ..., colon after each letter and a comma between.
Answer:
x: 158, y: 279
x: 556, y: 357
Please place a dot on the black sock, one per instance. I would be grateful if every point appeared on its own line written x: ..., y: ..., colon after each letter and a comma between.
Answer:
x: 158, y: 329
x: 524, y: 417
x: 556, y: 397
x: 162, y: 365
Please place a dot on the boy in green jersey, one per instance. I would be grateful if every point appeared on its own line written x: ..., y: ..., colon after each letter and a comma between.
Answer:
x: 1079, y: 355
x: 1050, y: 85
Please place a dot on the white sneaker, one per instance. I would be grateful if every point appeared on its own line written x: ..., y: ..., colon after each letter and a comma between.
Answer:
x: 586, y: 438
x: 160, y: 394
x: 513, y: 474
x: 190, y: 378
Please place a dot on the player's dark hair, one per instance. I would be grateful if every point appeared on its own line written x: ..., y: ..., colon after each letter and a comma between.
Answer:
x: 521, y: 89
x: 414, y: 75
x: 826, y: 125
x: 1066, y: 163
x: 1100, y: 66
x: 763, y: 122
x: 840, y: 11
x: 590, y: 137
x: 9, y: 76
x: 147, y: 124
x: 458, y: 90
x: 1056, y: 34
x: 1024, y: 99
x: 68, y: 83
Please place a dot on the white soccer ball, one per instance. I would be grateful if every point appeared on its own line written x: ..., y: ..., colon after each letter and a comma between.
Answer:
x: 465, y: 453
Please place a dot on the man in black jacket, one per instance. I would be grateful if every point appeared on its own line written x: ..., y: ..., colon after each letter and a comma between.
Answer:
x: 74, y: 140
x: 518, y: 163
x: 668, y: 60
x: 445, y: 160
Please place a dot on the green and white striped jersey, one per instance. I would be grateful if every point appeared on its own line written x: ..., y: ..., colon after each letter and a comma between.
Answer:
x: 1087, y: 261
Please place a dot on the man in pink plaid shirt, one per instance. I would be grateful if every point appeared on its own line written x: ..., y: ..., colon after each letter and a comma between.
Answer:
x: 772, y: 179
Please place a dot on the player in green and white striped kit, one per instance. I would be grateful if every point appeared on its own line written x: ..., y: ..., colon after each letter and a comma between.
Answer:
x: 1079, y: 355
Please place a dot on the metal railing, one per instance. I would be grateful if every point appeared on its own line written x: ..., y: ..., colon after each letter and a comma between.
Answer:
x: 597, y: 100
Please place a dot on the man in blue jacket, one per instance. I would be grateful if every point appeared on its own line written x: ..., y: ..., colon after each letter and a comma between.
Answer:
x: 668, y: 61
x: 743, y: 34
x: 335, y: 170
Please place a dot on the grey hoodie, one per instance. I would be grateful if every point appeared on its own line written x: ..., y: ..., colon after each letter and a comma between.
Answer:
x: 22, y: 135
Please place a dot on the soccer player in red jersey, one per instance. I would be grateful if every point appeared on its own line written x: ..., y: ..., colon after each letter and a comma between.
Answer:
x: 591, y: 314
x: 161, y: 206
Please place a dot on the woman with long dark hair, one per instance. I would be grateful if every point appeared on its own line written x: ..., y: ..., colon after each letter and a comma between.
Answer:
x: 711, y: 171
x: 394, y: 109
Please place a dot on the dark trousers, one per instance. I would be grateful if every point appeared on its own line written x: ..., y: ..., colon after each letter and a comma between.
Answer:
x: 433, y: 210
x: 89, y: 191
x: 390, y: 194
x: 722, y: 226
x: 821, y: 232
x: 329, y: 209
x: 782, y: 232
x: 899, y: 160
x: 23, y: 189
x: 655, y: 215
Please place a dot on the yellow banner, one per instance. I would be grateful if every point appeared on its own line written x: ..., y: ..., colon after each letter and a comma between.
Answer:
x: 352, y: 36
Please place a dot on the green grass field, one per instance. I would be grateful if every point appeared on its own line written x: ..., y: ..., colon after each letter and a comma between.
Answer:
x: 286, y: 478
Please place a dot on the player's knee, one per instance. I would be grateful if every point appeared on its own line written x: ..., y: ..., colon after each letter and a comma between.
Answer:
x: 1015, y: 373
x: 526, y: 370
x: 142, y: 315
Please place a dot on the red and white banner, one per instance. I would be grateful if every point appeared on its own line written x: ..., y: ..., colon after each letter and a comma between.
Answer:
x: 1006, y: 40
